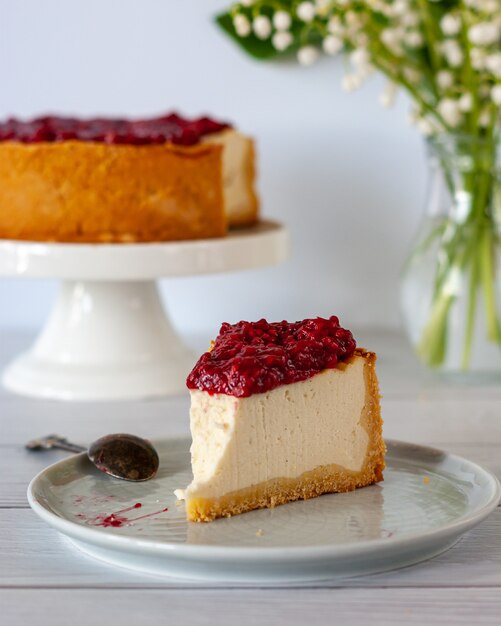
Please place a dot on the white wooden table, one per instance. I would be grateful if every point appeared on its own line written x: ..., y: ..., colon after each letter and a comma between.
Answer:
x: 43, y: 580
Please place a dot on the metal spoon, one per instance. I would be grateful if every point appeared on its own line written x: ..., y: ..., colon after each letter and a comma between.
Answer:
x: 122, y: 456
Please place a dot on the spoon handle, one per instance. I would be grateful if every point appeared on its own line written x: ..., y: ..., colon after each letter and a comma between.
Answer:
x: 54, y: 441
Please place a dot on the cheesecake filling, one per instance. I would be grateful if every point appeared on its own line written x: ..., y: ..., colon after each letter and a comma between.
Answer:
x: 239, y: 197
x: 281, y: 433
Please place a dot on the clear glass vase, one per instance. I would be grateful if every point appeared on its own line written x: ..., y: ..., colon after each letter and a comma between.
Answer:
x: 451, y: 284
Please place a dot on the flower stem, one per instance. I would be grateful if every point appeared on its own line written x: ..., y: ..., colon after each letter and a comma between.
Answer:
x: 429, y: 25
x: 487, y: 257
x: 433, y: 345
x: 471, y: 314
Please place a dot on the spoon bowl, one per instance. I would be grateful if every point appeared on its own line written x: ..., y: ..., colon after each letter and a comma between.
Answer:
x: 124, y: 456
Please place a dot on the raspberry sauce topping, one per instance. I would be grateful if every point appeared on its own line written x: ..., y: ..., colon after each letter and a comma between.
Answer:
x: 170, y: 128
x: 254, y: 357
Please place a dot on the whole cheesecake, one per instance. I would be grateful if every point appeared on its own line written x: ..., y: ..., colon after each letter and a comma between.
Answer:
x: 110, y: 180
x: 281, y: 412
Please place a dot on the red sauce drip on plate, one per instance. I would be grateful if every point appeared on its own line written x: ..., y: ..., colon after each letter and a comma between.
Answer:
x: 171, y: 128
x: 255, y: 357
x: 117, y: 519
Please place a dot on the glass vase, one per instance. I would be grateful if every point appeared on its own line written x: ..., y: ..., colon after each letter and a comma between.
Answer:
x: 451, y: 284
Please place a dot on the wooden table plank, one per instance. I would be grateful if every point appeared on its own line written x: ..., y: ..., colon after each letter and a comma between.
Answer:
x: 84, y: 422
x: 32, y: 554
x: 350, y: 607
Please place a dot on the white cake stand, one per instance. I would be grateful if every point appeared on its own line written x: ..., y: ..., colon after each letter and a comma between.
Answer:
x: 108, y: 336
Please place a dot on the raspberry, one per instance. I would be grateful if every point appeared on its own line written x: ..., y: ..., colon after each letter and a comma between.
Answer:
x: 165, y: 129
x: 255, y: 357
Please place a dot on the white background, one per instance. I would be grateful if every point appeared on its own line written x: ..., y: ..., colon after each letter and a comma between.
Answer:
x: 346, y: 176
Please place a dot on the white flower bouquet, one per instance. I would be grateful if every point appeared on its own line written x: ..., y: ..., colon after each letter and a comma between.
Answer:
x: 446, y: 54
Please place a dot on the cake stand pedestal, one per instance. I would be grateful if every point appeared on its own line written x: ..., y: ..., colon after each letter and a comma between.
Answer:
x: 108, y: 337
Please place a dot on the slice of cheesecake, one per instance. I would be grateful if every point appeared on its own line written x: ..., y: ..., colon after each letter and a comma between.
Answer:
x: 281, y: 412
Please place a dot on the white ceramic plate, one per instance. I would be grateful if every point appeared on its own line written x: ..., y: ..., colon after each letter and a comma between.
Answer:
x: 427, y: 501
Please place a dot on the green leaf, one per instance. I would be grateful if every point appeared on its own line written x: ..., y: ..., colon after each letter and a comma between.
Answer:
x: 257, y: 48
